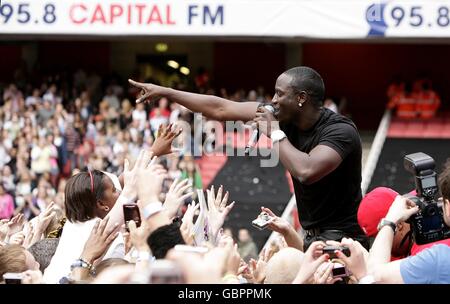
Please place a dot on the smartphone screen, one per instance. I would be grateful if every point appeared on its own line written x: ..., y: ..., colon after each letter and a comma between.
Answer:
x: 131, y: 212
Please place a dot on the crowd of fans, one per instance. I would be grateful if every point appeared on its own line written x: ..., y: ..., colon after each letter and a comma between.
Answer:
x: 413, y: 100
x: 69, y: 163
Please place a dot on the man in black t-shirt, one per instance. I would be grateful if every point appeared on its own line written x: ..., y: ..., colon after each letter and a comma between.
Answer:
x: 320, y: 149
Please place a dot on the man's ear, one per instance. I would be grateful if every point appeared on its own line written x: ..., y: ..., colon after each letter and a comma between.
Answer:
x: 301, y: 97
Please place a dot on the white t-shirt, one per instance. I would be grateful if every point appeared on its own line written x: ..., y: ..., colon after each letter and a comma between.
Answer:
x: 70, y: 247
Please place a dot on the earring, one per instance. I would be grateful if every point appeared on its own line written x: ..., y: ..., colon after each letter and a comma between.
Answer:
x: 300, y: 104
x: 106, y: 208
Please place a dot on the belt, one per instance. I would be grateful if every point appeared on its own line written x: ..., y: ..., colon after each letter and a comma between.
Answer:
x: 313, y: 231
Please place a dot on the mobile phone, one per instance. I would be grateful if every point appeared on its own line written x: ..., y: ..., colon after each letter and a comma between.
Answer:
x: 131, y: 213
x: 166, y: 272
x: 339, y: 271
x: 262, y: 221
x: 330, y: 250
x: 194, y: 249
x: 13, y: 278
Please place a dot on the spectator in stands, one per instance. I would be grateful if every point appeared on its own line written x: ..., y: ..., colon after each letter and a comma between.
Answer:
x: 325, y: 162
x: 404, y: 103
x: 430, y: 266
x: 396, y: 87
x: 6, y: 204
x: 246, y: 246
x: 374, y: 207
x: 330, y: 104
x: 190, y: 171
x: 428, y: 101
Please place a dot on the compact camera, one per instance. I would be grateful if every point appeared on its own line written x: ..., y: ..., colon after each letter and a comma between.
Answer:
x: 13, y: 278
x: 428, y: 224
x: 262, y: 221
x: 340, y: 271
x: 330, y: 250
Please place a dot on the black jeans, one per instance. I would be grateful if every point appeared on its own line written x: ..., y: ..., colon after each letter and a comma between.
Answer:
x: 334, y: 235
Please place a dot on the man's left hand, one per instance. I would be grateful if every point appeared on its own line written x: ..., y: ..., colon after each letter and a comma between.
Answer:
x: 266, y: 121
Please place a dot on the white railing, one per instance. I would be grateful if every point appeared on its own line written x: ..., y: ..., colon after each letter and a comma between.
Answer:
x: 375, y: 150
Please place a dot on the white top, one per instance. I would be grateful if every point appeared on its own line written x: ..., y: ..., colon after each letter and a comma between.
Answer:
x: 70, y: 247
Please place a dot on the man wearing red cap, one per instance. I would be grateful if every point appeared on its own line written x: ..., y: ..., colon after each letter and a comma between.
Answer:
x: 373, y: 208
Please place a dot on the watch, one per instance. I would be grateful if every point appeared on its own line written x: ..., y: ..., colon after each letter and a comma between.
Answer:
x: 385, y: 222
x: 277, y: 135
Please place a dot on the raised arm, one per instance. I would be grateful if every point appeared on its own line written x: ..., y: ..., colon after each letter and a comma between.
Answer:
x: 211, y: 106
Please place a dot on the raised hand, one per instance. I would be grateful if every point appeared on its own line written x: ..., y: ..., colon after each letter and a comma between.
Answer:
x: 149, y: 182
x: 16, y: 223
x: 148, y: 90
x: 357, y: 261
x: 130, y: 175
x: 99, y: 240
x: 163, y: 143
x: 139, y: 235
x: 187, y: 223
x: 175, y: 197
x: 277, y: 223
x: 217, y: 210
x: 312, y: 259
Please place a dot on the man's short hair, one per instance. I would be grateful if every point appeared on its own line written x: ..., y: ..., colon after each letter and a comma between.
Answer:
x: 165, y: 238
x: 283, y: 267
x: 43, y: 251
x: 308, y: 80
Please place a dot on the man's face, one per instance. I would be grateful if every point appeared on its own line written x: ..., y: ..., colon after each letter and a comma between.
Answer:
x: 284, y: 99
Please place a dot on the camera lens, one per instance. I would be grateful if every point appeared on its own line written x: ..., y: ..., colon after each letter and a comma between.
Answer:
x: 431, y: 211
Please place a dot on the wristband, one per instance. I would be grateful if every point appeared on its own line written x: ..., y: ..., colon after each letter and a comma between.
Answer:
x: 152, y: 209
x: 277, y: 136
x: 143, y: 256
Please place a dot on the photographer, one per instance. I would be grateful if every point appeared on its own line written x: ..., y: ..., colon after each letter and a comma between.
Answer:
x: 429, y: 266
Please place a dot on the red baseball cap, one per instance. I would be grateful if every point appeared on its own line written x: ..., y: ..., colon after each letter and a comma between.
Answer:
x: 373, y: 207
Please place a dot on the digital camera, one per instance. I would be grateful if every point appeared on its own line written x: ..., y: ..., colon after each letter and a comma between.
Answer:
x: 330, y: 250
x: 262, y: 221
x: 428, y: 224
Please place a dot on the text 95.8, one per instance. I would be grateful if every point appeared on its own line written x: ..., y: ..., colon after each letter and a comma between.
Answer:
x: 21, y: 13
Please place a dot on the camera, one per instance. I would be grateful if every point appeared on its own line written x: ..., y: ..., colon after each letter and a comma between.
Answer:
x: 330, y: 250
x: 131, y: 213
x: 340, y: 271
x: 428, y: 224
x: 13, y: 278
x: 262, y: 221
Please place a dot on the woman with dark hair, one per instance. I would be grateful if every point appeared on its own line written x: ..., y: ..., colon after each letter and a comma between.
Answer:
x: 96, y: 194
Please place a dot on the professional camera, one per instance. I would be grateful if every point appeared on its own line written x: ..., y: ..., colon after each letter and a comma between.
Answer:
x: 428, y: 224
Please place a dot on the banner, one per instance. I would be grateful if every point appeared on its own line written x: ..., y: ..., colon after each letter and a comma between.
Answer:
x: 332, y: 19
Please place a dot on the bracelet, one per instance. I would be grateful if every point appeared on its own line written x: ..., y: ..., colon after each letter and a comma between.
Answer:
x: 151, y: 209
x: 81, y: 263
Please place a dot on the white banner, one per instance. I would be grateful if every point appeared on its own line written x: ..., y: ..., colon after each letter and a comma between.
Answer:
x: 257, y: 18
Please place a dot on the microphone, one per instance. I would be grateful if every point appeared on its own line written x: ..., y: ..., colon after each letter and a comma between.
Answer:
x: 254, y: 137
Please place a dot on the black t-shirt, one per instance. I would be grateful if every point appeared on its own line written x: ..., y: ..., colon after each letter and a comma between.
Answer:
x: 332, y: 202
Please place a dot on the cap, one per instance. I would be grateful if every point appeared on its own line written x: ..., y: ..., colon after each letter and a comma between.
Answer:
x: 373, y: 207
